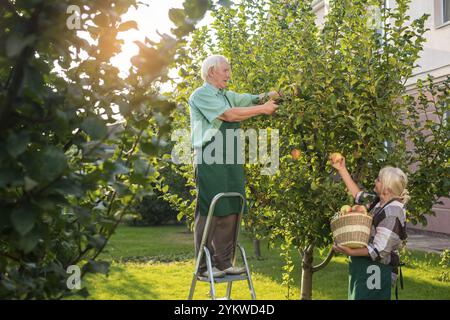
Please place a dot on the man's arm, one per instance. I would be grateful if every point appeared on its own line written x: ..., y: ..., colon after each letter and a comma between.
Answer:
x: 238, y: 114
x: 248, y: 100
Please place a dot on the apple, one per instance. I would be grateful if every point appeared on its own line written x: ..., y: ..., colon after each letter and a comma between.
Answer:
x: 346, y: 209
x: 336, y: 157
x: 295, y: 153
x: 356, y: 154
x: 274, y: 95
x: 359, y: 208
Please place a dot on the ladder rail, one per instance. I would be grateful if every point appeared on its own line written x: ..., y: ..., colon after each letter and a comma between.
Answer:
x: 204, y: 250
x: 247, y: 270
x: 212, y: 288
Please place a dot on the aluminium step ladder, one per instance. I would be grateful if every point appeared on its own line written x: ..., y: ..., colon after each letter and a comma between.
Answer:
x: 203, y: 250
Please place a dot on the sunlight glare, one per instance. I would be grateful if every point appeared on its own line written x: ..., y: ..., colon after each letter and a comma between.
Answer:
x: 151, y: 16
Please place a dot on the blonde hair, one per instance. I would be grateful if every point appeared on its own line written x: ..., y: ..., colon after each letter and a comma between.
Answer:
x: 212, y: 62
x: 395, y: 180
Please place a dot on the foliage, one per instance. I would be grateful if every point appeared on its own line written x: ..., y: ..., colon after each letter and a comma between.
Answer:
x: 167, y: 250
x: 190, y: 57
x: 445, y: 265
x: 429, y: 152
x: 154, y: 209
x: 342, y: 85
x: 78, y: 143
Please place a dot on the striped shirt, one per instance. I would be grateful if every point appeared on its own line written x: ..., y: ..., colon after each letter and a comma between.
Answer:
x: 388, y: 231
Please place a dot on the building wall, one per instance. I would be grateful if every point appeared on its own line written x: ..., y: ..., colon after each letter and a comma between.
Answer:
x: 434, y: 60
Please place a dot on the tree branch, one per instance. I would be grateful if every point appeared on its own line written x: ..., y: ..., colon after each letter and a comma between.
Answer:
x: 324, y: 263
x: 19, y: 69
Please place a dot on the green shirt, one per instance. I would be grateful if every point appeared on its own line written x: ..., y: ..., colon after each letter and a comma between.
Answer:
x: 206, y: 104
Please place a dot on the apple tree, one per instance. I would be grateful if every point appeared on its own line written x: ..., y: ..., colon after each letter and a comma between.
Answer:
x: 342, y: 84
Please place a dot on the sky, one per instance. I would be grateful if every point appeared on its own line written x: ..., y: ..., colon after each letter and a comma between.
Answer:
x: 152, y: 17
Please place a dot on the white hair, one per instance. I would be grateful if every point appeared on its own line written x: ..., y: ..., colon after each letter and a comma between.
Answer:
x: 212, y: 62
x: 395, y: 180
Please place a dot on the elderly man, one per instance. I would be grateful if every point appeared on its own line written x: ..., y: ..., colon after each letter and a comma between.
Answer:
x: 214, y: 111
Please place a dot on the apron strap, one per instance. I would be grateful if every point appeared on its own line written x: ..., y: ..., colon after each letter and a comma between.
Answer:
x: 390, y: 201
x: 400, y: 278
x: 225, y: 95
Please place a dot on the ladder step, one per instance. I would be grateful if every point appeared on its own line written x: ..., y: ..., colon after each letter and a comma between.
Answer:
x: 227, y: 278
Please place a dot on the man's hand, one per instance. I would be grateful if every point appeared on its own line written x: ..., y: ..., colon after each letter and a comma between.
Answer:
x: 270, y: 107
x: 272, y: 95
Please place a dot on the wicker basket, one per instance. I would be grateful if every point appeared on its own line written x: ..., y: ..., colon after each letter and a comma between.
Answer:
x: 352, y: 230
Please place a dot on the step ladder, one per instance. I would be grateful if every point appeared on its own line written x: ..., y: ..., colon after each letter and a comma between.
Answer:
x: 203, y: 250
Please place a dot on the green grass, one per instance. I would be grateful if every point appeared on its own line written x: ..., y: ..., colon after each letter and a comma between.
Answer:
x: 157, y: 263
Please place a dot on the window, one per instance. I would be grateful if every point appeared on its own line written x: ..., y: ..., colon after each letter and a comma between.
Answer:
x: 388, y: 146
x: 446, y: 10
x: 446, y: 117
x: 379, y: 23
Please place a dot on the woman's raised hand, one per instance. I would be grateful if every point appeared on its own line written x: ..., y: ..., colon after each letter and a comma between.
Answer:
x: 337, y: 161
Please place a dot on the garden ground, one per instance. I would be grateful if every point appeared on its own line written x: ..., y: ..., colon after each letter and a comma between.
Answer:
x: 157, y: 263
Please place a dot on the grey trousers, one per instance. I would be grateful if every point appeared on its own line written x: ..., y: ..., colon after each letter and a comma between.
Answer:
x: 221, y: 240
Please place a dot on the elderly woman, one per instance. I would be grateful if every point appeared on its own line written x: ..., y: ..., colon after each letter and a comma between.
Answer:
x: 214, y: 111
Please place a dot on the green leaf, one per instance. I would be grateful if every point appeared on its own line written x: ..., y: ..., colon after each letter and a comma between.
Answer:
x: 149, y: 148
x: 34, y: 83
x: 29, y: 241
x: 121, y: 189
x: 94, y: 127
x: 6, y: 177
x: 128, y: 25
x: 83, y: 292
x: 17, y: 143
x: 116, y: 168
x: 177, y: 16
x: 23, y: 219
x: 66, y: 186
x: 97, y: 266
x: 96, y: 241
x: 29, y: 183
x: 124, y: 108
x: 140, y: 166
x: 195, y: 9
x: 225, y: 3
x: 53, y: 163
x: 16, y: 43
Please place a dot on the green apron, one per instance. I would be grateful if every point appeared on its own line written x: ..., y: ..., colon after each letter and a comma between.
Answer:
x: 369, y: 280
x: 212, y: 179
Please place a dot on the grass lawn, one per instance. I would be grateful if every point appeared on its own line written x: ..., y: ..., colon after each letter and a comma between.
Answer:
x: 157, y: 263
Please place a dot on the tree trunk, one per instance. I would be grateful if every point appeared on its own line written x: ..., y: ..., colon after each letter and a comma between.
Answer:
x: 307, y: 273
x: 257, y: 248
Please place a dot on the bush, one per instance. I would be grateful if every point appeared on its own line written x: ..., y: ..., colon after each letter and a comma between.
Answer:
x: 445, y: 264
x: 153, y: 210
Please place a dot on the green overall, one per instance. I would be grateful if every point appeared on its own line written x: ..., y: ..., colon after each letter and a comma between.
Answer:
x: 216, y: 178
x: 369, y: 280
